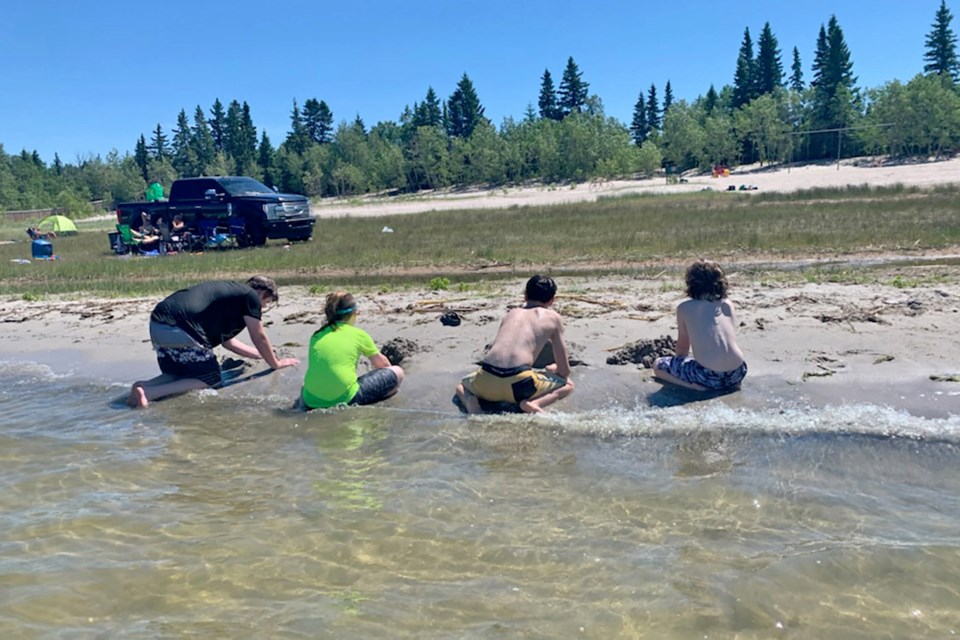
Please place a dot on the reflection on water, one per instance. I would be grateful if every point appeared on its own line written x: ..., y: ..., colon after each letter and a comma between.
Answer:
x: 223, y: 517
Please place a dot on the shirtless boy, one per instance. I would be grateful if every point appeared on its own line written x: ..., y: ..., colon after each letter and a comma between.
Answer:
x: 506, y: 373
x: 706, y: 325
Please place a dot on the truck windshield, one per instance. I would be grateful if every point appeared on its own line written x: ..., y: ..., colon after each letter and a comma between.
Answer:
x: 239, y: 186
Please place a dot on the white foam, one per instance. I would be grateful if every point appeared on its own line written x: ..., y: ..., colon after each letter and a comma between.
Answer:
x: 863, y: 419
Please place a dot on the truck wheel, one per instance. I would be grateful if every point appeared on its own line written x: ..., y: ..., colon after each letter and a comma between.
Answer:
x: 256, y: 235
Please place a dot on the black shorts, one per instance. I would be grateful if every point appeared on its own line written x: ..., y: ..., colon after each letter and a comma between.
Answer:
x: 375, y: 386
x: 178, y: 354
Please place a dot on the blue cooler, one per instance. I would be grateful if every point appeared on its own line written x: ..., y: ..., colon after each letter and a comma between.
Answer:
x: 42, y: 250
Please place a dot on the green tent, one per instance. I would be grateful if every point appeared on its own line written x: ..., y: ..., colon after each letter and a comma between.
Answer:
x: 60, y: 224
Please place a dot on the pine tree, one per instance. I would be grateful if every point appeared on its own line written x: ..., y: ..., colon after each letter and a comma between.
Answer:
x: 141, y: 156
x: 744, y: 78
x: 182, y: 156
x: 549, y: 109
x: 266, y: 160
x: 297, y: 136
x: 232, y: 134
x: 57, y: 164
x: 639, y: 128
x: 768, y: 74
x: 820, y: 57
x: 428, y: 113
x: 834, y: 102
x: 667, y: 98
x: 317, y: 121
x: 710, y: 101
x: 201, y: 141
x: 653, y: 110
x: 941, y: 43
x: 359, y: 125
x: 464, y: 111
x: 796, y: 72
x: 217, y: 117
x: 573, y: 92
x: 247, y: 143
x: 158, y: 143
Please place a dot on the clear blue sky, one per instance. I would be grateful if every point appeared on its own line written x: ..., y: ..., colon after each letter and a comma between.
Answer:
x: 82, y: 78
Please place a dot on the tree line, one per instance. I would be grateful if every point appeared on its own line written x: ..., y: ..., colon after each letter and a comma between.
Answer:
x: 766, y: 114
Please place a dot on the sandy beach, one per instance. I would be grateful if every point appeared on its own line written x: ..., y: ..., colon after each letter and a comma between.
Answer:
x: 771, y: 178
x: 816, y: 344
x: 805, y: 343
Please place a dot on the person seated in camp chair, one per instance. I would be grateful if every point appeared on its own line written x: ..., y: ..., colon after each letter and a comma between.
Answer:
x: 36, y: 234
x: 179, y: 233
x: 147, y: 235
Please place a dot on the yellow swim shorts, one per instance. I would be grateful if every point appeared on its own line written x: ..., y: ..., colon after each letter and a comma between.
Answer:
x: 513, y: 384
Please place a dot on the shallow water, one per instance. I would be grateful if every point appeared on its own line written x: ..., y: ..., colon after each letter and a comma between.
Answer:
x: 218, y: 515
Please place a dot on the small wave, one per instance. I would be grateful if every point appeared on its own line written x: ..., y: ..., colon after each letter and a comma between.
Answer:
x: 853, y: 419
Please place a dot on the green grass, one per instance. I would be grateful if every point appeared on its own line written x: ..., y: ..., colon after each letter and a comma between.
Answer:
x: 625, y: 234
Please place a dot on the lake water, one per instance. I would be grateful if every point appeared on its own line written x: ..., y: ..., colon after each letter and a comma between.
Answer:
x: 221, y: 515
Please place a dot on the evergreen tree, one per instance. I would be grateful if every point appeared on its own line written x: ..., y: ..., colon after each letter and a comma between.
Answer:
x: 217, y: 118
x: 769, y: 68
x: 639, y: 128
x: 573, y: 90
x: 464, y: 111
x: 744, y: 78
x: 297, y: 136
x: 57, y: 164
x: 834, y: 102
x: 549, y: 109
x: 667, y: 98
x: 710, y: 101
x: 796, y: 72
x: 359, y: 125
x: 182, y: 155
x: 429, y: 113
x: 246, y: 152
x: 232, y: 131
x: 141, y: 155
x: 941, y: 43
x: 653, y: 110
x: 266, y: 160
x: 158, y: 143
x: 317, y: 121
x: 201, y: 141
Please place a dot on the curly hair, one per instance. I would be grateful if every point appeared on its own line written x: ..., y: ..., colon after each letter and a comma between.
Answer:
x: 706, y: 280
x: 265, y: 285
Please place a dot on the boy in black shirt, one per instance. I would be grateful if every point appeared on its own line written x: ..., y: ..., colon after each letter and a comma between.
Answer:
x: 187, y: 325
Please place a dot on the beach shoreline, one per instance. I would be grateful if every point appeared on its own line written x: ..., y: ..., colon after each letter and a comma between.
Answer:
x: 806, y: 343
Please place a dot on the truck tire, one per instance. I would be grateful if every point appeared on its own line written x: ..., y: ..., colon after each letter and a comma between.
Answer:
x: 256, y: 233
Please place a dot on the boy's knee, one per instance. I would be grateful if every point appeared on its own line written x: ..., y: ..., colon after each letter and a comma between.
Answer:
x: 397, y: 372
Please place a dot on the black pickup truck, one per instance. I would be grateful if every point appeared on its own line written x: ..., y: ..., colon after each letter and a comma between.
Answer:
x: 242, y: 206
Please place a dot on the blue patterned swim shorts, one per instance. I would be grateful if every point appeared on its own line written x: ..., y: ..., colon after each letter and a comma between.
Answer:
x: 689, y: 370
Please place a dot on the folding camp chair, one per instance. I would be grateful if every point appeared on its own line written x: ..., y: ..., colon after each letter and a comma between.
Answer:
x: 125, y: 242
x: 209, y: 235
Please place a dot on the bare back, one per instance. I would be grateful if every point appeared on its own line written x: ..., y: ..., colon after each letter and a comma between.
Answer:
x: 709, y: 327
x: 523, y: 334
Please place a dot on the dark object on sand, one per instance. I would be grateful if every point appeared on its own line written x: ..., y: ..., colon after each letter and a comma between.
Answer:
x: 644, y: 352
x: 399, y: 349
x: 450, y: 319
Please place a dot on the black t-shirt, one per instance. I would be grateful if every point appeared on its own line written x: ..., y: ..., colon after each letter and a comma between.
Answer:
x: 211, y: 312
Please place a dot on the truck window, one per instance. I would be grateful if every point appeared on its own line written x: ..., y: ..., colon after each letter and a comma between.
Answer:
x: 193, y: 189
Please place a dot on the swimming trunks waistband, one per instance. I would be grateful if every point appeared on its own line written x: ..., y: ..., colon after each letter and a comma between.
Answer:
x: 504, y: 372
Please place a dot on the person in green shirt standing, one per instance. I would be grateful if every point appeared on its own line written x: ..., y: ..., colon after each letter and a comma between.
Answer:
x: 155, y: 192
x: 335, y: 350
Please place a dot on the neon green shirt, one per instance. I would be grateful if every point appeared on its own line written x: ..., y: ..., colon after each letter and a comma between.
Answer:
x: 331, y: 377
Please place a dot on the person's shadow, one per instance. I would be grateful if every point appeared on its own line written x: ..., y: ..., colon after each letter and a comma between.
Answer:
x: 671, y: 395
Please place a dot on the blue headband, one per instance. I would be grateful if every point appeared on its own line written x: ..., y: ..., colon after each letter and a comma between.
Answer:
x: 343, y: 312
